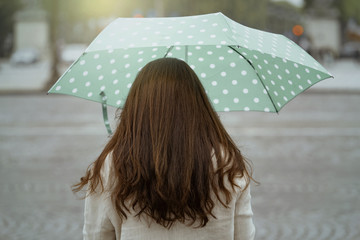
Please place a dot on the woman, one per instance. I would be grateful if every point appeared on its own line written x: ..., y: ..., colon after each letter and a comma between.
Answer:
x: 170, y: 171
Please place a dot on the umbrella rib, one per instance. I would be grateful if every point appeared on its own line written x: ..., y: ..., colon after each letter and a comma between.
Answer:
x: 105, y: 113
x: 170, y: 48
x: 272, y: 102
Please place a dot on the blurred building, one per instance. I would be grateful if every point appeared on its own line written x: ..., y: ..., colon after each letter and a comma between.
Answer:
x: 323, y: 29
x: 31, y: 30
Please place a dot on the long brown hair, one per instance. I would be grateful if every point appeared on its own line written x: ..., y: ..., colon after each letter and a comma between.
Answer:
x: 170, y: 153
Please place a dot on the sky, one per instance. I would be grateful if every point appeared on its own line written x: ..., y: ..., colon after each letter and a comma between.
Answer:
x: 298, y: 3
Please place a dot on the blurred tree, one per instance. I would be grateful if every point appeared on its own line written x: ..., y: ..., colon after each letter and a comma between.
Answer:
x: 52, y: 7
x: 65, y: 15
x: 7, y: 16
x: 318, y: 3
x: 68, y: 13
x: 308, y: 3
x: 282, y: 16
x: 349, y: 9
x: 250, y: 13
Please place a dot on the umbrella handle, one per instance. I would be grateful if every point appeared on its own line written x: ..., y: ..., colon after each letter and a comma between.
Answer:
x: 105, y: 112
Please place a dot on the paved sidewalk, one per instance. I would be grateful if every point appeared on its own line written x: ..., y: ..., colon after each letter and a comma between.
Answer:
x: 306, y: 159
x: 34, y: 78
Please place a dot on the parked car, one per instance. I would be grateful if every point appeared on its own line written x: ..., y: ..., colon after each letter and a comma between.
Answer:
x: 25, y: 56
x: 351, y: 49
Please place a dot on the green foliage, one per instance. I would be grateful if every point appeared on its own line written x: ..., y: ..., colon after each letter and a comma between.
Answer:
x: 251, y: 13
x: 308, y: 3
x: 71, y: 14
x: 350, y: 9
x: 347, y: 8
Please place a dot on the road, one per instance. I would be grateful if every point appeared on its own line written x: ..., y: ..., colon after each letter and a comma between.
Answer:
x: 307, y: 159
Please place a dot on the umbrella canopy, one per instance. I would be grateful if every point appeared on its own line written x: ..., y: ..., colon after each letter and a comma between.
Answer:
x: 241, y: 68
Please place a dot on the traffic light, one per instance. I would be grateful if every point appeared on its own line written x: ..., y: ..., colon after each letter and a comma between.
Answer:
x: 298, y: 30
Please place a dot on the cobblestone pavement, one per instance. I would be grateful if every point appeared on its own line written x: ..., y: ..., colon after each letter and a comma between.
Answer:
x: 307, y: 160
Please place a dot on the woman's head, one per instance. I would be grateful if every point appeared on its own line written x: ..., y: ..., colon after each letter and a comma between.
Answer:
x: 170, y: 151
x: 167, y: 92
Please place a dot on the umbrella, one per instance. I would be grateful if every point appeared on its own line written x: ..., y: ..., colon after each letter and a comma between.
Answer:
x: 241, y: 68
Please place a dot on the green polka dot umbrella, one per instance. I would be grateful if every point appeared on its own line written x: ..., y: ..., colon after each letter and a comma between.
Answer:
x: 242, y: 69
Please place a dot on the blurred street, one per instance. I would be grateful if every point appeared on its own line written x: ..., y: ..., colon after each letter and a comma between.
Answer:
x: 306, y: 159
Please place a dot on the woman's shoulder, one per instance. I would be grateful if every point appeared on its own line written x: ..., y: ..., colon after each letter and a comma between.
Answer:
x: 241, y: 185
x: 241, y: 181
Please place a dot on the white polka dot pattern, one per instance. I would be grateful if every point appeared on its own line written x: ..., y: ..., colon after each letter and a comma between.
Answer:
x: 241, y: 68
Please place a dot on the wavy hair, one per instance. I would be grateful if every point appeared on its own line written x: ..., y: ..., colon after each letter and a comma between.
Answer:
x: 170, y: 154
